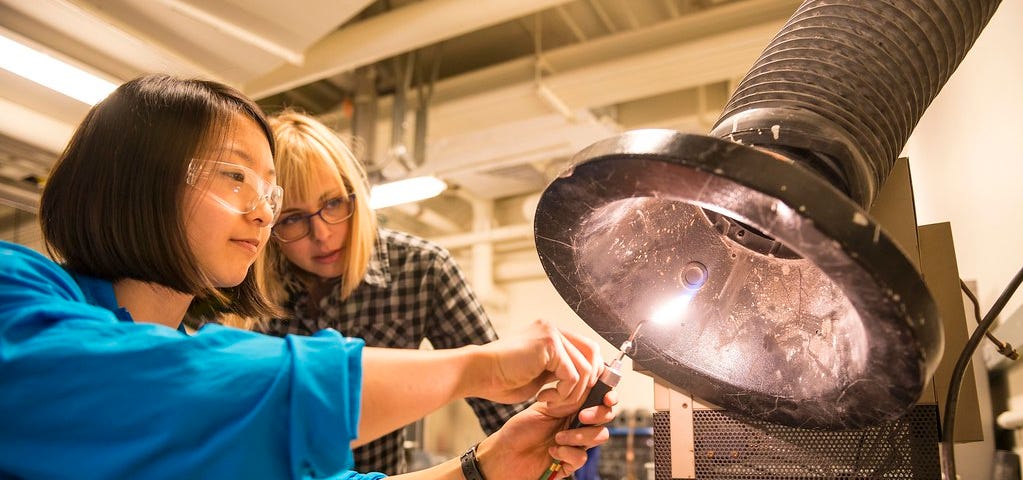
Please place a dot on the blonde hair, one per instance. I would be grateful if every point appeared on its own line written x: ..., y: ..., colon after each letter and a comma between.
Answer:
x: 303, y: 144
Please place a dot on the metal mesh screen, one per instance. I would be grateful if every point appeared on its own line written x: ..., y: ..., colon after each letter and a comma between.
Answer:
x: 731, y: 448
x: 662, y: 446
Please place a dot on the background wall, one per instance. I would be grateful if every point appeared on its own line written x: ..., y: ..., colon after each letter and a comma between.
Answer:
x: 966, y: 157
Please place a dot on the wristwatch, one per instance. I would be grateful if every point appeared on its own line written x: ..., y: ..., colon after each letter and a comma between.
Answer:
x: 470, y: 466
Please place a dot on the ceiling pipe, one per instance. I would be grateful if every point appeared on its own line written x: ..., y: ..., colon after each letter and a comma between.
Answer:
x: 601, y: 84
x: 364, y: 118
x: 403, y: 69
x: 383, y: 36
x: 429, y: 217
x: 483, y: 253
x: 490, y: 236
x: 590, y: 75
x: 669, y: 57
x: 462, y: 104
x: 424, y: 90
x: 516, y: 270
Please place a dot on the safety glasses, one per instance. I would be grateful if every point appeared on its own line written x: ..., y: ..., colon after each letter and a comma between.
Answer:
x: 236, y: 187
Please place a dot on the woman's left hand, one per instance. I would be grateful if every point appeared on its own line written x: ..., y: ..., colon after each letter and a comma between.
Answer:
x: 527, y: 444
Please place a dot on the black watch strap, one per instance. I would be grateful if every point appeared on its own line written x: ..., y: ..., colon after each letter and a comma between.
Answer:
x: 470, y: 466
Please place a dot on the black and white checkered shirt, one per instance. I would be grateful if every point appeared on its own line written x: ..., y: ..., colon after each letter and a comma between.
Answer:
x: 413, y: 290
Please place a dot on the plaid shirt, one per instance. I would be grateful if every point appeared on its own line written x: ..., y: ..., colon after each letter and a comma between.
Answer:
x: 413, y: 290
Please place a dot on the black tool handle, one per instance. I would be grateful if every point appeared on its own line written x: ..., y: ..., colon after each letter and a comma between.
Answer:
x: 595, y: 397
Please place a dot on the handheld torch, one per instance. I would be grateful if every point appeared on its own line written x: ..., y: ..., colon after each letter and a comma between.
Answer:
x: 605, y: 383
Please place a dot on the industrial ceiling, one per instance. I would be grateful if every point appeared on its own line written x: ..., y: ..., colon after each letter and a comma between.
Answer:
x: 508, y: 90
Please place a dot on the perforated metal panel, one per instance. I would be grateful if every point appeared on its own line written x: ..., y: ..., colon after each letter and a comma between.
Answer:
x: 727, y: 447
x: 662, y: 446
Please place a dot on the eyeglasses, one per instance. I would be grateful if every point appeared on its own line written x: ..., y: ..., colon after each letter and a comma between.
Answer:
x: 296, y: 226
x: 236, y: 187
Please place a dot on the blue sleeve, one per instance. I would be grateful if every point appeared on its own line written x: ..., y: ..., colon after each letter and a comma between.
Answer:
x: 89, y: 396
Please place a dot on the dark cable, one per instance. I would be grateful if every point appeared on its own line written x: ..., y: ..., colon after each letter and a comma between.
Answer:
x: 1004, y: 348
x: 948, y: 428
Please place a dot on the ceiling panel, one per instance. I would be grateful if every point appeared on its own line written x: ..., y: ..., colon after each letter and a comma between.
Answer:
x: 504, y: 80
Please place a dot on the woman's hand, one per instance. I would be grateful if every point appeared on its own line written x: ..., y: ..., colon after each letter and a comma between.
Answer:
x: 514, y: 368
x: 527, y: 444
x: 400, y: 386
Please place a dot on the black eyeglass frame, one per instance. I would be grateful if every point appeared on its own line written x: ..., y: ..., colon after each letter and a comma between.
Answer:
x: 307, y: 218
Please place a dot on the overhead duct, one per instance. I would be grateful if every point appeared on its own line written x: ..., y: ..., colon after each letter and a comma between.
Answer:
x: 779, y: 297
x: 403, y: 69
x: 364, y: 117
x: 407, y: 67
x: 424, y: 90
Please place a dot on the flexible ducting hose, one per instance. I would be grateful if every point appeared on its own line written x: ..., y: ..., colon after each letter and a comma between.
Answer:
x: 843, y: 84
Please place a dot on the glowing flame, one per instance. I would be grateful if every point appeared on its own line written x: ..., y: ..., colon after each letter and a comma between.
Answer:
x: 672, y: 310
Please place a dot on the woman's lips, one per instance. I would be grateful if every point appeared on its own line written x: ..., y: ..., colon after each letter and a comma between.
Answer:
x: 250, y: 245
x: 328, y: 258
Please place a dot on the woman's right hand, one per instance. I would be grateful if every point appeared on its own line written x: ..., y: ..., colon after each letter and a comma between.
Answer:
x: 514, y: 368
x: 400, y: 386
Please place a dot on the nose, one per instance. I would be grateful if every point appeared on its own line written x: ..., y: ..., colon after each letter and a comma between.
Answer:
x: 318, y: 228
x: 263, y: 214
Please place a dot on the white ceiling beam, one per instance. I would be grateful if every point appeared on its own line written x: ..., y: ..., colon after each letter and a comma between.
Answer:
x: 682, y: 30
x: 496, y: 117
x: 688, y: 65
x: 236, y: 31
x: 383, y: 36
x: 33, y: 128
x: 710, y: 46
x: 99, y: 29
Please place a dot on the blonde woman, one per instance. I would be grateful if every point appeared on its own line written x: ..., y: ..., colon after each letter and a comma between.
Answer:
x: 332, y: 266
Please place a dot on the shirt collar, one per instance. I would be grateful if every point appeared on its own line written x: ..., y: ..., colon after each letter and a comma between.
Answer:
x: 100, y: 292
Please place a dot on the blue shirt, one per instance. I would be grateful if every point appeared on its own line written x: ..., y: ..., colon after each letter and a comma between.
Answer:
x: 85, y: 392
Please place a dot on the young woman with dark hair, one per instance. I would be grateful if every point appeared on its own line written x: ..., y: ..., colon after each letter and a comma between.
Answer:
x: 166, y: 194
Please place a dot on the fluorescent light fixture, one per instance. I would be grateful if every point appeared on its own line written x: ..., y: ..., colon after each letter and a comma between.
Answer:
x: 52, y: 73
x: 405, y: 191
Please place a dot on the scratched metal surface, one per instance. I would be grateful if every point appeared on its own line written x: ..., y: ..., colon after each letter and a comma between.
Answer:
x: 832, y: 335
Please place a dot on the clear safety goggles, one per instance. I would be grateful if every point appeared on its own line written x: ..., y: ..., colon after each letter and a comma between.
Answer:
x: 236, y: 187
